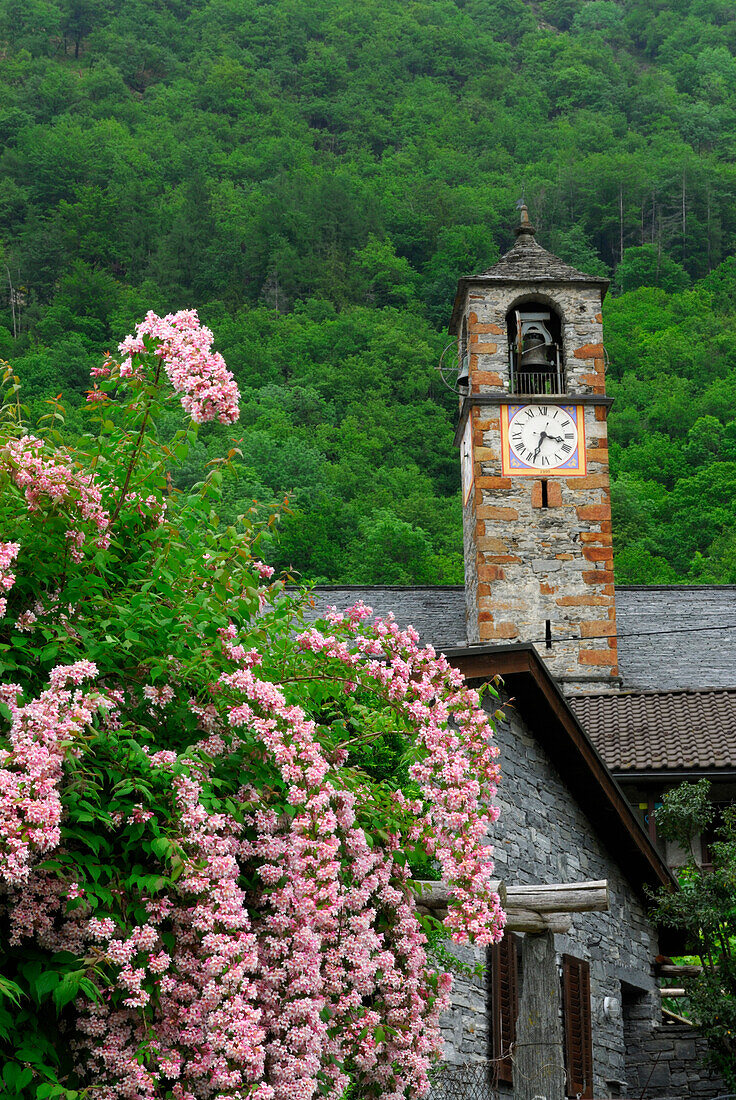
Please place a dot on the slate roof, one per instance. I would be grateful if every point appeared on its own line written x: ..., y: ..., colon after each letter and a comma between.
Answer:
x: 526, y: 262
x: 677, y: 657
x: 437, y: 613
x: 655, y: 731
x: 671, y: 637
x: 529, y: 262
x: 675, y: 637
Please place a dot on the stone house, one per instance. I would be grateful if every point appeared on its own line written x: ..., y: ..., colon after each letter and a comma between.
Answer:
x: 611, y: 694
x: 564, y: 819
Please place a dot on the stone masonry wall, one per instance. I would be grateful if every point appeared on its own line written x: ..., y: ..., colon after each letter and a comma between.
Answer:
x: 529, y: 564
x: 582, y: 334
x: 543, y: 836
x: 668, y: 1062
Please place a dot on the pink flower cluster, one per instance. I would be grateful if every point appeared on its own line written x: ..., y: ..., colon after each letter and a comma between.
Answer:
x: 42, y: 609
x: 265, y: 572
x: 318, y: 976
x: 149, y: 507
x: 458, y: 769
x: 322, y: 955
x: 8, y: 554
x: 38, y: 913
x: 208, y: 1039
x: 158, y: 696
x: 48, y: 480
x: 42, y: 734
x: 207, y: 388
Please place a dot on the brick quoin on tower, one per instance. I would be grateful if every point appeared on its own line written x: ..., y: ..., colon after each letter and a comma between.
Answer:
x: 534, y: 455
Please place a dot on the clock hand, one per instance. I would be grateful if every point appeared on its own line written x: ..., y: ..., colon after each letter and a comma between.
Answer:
x: 542, y: 437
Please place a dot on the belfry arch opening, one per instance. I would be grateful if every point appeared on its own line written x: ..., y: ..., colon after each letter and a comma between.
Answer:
x: 536, y: 361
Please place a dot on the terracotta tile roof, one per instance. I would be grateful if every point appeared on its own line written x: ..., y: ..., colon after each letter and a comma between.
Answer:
x: 661, y: 730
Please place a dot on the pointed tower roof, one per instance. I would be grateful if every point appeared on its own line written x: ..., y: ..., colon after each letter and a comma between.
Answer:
x: 526, y: 262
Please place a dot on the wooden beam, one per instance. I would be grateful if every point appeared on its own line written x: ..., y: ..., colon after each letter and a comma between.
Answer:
x: 673, y: 992
x: 435, y: 895
x: 560, y: 897
x: 678, y: 1019
x: 669, y: 970
x: 545, y: 908
x: 529, y: 920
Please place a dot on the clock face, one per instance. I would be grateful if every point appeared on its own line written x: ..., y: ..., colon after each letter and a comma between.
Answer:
x: 543, y: 439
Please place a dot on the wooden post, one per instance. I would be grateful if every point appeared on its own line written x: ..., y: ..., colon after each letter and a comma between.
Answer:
x: 538, y: 1065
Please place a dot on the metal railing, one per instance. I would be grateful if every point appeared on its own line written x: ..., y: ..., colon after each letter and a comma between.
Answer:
x: 537, y: 382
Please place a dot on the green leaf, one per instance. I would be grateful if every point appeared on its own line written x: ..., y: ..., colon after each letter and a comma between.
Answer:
x: 88, y: 986
x: 11, y: 990
x: 47, y: 981
x: 11, y: 1073
x: 67, y: 989
x: 29, y: 1054
x: 162, y: 847
x: 26, y: 1076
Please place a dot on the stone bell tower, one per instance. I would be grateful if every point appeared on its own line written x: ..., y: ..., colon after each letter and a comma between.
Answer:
x: 534, y: 456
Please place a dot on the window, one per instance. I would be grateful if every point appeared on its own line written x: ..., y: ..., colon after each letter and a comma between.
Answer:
x: 711, y: 835
x: 578, y: 1026
x: 504, y: 1004
x: 535, y: 349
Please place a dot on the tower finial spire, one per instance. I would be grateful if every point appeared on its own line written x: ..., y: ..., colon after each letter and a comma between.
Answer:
x: 524, y: 227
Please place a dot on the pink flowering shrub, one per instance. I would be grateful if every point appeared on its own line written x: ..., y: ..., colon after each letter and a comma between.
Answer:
x: 42, y: 734
x: 211, y: 810
x: 8, y: 553
x: 206, y: 387
x: 53, y: 483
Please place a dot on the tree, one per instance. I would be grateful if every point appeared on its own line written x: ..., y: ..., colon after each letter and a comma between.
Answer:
x: 79, y: 18
x: 705, y: 906
x: 210, y: 808
x: 389, y: 279
x: 646, y: 266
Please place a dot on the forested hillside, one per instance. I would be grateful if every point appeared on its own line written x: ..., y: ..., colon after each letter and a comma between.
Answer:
x: 314, y: 175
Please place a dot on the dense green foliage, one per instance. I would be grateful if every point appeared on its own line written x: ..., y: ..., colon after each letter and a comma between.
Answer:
x: 705, y: 907
x: 314, y: 176
x: 673, y: 369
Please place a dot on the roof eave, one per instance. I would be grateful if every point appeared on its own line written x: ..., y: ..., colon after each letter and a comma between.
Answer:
x: 727, y: 772
x: 571, y: 751
x: 466, y: 281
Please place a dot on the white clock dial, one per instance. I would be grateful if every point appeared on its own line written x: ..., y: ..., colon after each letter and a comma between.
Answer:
x: 542, y: 436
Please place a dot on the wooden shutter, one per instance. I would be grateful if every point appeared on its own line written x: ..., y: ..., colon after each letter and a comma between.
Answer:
x: 504, y: 1004
x: 578, y: 1026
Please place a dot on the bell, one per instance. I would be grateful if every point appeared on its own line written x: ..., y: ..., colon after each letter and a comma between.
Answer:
x: 463, y: 374
x: 534, y: 354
